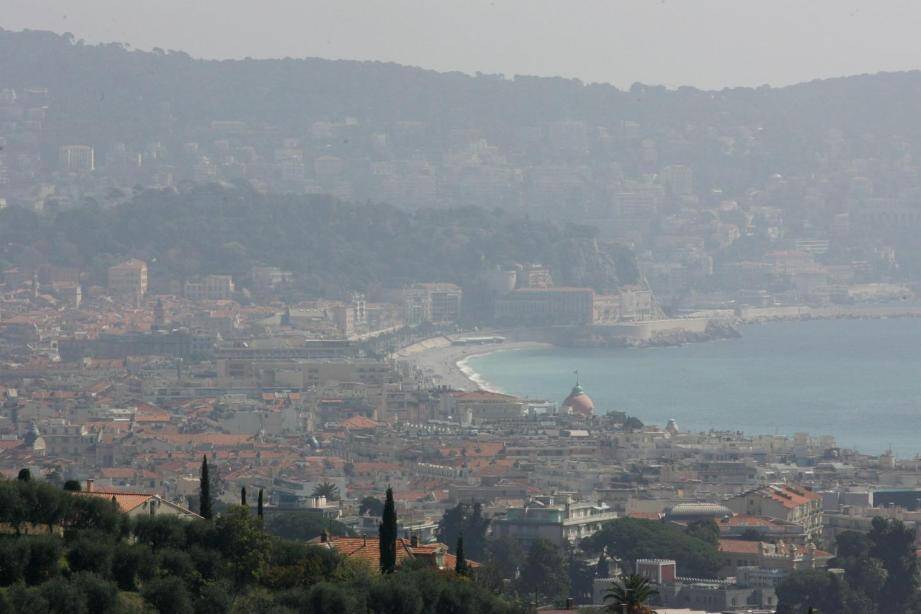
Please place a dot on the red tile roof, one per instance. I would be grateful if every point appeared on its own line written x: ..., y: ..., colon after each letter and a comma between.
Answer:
x: 126, y: 501
x: 368, y: 549
x: 359, y: 423
x: 788, y: 496
x: 740, y: 546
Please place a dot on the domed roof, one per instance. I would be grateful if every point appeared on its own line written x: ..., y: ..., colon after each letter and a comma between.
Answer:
x: 578, y: 402
x: 698, y: 510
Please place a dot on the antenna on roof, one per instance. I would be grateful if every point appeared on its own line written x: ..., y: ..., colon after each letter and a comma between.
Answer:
x: 576, y: 372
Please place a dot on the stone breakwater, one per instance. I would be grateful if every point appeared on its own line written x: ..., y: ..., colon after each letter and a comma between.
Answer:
x: 441, y: 363
x: 438, y: 359
x: 756, y: 315
x: 714, y: 330
x: 655, y: 333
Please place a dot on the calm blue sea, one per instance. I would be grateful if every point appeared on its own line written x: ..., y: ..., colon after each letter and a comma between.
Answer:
x: 859, y: 380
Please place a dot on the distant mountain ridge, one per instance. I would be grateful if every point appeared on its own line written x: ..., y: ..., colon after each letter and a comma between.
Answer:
x: 129, y: 90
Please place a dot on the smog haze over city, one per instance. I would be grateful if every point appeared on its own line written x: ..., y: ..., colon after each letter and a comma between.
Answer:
x: 492, y: 306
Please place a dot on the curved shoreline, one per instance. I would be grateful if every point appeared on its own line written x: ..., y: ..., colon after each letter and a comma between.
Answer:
x: 444, y: 364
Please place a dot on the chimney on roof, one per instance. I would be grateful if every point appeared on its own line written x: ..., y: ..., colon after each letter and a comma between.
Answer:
x: 324, y: 536
x: 414, y: 541
x: 89, y: 485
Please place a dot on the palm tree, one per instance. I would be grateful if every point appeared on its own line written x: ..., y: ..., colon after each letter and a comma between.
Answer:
x: 326, y: 489
x: 629, y: 596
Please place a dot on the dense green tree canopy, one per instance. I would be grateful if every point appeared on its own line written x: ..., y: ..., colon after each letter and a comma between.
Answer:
x: 822, y: 591
x: 371, y: 505
x: 881, y: 575
x: 333, y: 246
x: 631, y: 539
x: 467, y: 521
x: 544, y: 571
x: 301, y: 525
x: 229, y: 564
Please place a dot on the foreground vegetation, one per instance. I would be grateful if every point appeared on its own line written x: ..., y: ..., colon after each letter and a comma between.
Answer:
x: 68, y: 552
x: 881, y: 575
x: 71, y: 553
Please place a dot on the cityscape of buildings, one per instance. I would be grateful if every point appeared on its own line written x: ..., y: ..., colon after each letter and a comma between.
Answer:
x: 835, y: 233
x: 319, y: 403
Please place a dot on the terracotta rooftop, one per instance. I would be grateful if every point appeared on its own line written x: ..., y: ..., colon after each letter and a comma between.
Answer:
x: 368, y: 549
x: 741, y: 546
x: 788, y: 496
x: 359, y: 423
x: 126, y: 501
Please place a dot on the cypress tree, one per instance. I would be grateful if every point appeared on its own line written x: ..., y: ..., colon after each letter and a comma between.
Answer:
x: 387, y: 532
x: 460, y: 566
x: 204, y: 490
x: 243, y: 496
x: 259, y: 505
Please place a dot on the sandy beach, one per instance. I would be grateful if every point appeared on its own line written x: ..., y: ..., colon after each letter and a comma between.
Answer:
x: 443, y: 363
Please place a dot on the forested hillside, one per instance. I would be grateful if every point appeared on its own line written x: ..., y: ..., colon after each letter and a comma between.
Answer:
x: 334, y: 246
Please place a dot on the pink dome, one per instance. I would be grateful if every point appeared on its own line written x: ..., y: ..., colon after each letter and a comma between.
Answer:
x: 579, y: 403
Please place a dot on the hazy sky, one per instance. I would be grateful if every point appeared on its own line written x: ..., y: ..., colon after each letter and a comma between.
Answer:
x: 706, y: 43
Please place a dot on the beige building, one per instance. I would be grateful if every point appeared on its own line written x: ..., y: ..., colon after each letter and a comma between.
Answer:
x: 209, y: 288
x: 546, y: 306
x: 785, y: 502
x: 302, y: 374
x: 136, y: 504
x: 628, y: 304
x: 480, y: 406
x: 432, y: 302
x: 65, y: 439
x: 736, y: 554
x: 128, y: 279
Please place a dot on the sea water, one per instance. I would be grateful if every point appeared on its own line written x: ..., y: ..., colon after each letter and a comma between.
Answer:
x: 858, y: 380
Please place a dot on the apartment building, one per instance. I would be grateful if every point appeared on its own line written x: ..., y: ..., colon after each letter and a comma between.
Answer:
x: 128, y: 279
x: 210, y: 288
x: 546, y: 306
x: 559, y: 519
x: 785, y: 502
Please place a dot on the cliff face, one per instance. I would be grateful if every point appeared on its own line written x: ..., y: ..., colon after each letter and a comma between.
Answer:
x: 593, y: 264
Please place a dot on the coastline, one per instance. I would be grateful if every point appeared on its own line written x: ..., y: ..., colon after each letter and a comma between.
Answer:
x: 758, y: 315
x: 444, y: 364
x: 447, y: 365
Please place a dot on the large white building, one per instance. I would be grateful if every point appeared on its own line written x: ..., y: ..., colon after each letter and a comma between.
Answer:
x: 557, y: 519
